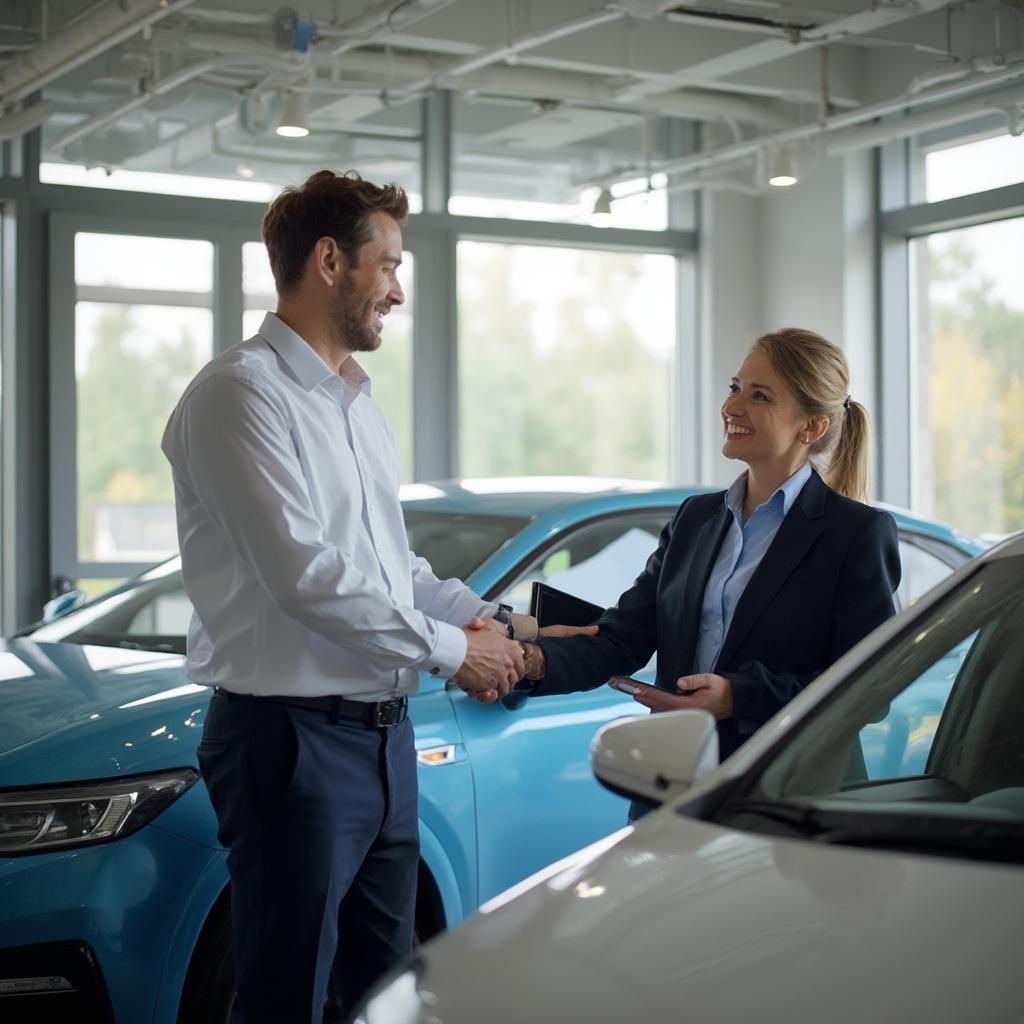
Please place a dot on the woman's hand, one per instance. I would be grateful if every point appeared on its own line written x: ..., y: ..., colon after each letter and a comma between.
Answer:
x: 710, y: 692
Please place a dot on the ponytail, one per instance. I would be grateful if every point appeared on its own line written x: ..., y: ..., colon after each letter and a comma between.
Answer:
x: 815, y: 371
x: 847, y: 470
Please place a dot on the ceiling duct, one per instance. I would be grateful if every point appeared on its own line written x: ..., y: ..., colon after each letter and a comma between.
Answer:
x: 98, y: 32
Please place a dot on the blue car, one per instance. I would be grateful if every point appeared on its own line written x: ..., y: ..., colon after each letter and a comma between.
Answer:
x: 113, y: 889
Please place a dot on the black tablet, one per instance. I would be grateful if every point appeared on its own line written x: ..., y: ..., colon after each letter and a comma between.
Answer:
x: 553, y: 607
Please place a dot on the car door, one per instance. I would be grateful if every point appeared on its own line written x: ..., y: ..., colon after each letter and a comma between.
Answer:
x: 536, y: 797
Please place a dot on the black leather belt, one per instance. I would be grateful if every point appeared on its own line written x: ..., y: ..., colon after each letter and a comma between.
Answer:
x: 380, y: 714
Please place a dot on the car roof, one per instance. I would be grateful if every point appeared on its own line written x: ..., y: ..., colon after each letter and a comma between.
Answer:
x: 534, y: 497
x: 531, y: 496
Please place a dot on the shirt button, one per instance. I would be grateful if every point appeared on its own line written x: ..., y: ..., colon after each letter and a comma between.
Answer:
x: 372, y: 507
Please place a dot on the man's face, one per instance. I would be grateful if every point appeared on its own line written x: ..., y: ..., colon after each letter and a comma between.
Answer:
x: 369, y: 287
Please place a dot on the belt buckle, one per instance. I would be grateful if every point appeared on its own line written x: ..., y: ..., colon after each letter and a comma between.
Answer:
x: 389, y: 712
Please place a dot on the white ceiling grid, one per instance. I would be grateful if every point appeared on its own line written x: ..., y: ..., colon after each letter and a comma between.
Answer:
x: 548, y: 97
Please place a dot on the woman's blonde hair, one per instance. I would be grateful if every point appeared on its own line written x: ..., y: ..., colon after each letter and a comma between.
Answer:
x: 815, y: 371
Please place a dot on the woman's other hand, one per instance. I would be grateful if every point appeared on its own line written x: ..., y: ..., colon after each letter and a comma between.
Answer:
x: 705, y: 690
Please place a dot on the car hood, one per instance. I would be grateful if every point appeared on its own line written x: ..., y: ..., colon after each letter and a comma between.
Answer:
x: 683, y: 920
x: 70, y: 712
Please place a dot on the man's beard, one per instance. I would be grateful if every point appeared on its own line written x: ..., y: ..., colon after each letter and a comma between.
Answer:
x: 354, y: 327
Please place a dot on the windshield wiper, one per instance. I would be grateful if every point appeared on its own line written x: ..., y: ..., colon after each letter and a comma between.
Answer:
x: 134, y: 645
x: 800, y: 817
x: 100, y: 640
x: 932, y: 833
x: 983, y: 840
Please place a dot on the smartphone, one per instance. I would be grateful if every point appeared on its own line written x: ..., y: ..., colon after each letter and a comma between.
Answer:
x: 633, y: 686
x: 627, y: 685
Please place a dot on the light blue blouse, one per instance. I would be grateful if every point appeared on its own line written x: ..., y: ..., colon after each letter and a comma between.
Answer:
x: 742, y: 550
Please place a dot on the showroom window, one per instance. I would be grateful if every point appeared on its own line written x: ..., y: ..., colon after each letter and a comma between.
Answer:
x: 140, y: 326
x: 967, y: 345
x: 969, y: 358
x: 565, y: 361
x: 137, y: 344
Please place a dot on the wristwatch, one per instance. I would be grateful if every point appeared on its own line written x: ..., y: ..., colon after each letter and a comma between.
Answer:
x: 504, y: 616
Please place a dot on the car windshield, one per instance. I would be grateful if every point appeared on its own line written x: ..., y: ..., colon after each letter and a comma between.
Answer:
x: 152, y: 612
x: 923, y: 748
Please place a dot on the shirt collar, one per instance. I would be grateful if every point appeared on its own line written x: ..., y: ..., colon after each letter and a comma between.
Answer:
x: 789, y: 492
x: 301, y: 358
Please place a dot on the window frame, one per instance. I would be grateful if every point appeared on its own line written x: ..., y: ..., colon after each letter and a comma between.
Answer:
x: 902, y: 219
x: 225, y: 305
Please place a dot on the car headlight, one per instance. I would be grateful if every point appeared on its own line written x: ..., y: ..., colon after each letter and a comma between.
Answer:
x: 80, y: 813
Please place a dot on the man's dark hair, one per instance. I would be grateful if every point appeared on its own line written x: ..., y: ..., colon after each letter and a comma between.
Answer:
x: 332, y: 205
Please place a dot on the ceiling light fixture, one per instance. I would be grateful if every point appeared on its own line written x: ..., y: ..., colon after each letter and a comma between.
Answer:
x: 782, y: 172
x: 294, y: 116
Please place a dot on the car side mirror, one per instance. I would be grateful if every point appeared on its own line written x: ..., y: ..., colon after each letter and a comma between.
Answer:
x: 656, y: 758
x: 62, y: 604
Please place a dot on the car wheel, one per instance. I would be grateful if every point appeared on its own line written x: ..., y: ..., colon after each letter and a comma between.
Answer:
x: 209, y: 994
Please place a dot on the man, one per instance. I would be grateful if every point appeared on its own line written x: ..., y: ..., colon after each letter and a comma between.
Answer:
x: 312, y: 617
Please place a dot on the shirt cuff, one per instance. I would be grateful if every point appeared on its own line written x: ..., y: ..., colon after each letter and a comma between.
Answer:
x: 524, y: 627
x: 449, y: 652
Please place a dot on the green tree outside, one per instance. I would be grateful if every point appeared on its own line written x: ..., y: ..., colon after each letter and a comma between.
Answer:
x: 972, y: 356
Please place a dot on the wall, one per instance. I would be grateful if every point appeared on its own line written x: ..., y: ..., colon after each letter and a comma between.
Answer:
x: 802, y: 256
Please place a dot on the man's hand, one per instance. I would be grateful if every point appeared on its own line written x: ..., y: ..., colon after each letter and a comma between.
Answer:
x: 705, y: 690
x: 493, y: 625
x: 569, y: 631
x: 493, y: 665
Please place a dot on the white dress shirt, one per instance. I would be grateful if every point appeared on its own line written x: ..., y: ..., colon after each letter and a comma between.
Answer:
x: 293, y: 546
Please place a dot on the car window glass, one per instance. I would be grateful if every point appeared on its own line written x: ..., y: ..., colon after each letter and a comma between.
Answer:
x: 456, y: 543
x: 921, y: 571
x: 596, y: 562
x: 168, y: 614
x: 934, y: 722
x: 898, y: 745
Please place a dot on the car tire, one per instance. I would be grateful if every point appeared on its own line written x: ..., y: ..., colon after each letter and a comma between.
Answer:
x: 209, y: 993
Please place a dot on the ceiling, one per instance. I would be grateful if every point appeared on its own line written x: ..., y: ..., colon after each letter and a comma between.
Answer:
x: 547, y: 97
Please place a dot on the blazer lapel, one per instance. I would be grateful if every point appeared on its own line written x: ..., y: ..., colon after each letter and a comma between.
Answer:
x: 799, y: 530
x: 705, y: 551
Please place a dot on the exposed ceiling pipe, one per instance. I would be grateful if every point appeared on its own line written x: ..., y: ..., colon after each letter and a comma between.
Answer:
x: 747, y: 57
x: 521, y: 81
x: 963, y: 68
x: 846, y: 119
x: 1001, y: 101
x: 388, y: 16
x: 526, y: 41
x: 158, y: 88
x: 13, y: 126
x: 104, y: 28
x: 378, y: 19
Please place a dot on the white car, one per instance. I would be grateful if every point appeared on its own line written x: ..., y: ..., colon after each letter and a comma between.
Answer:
x: 786, y: 885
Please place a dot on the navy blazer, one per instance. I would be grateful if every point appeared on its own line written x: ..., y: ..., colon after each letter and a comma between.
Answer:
x: 826, y: 581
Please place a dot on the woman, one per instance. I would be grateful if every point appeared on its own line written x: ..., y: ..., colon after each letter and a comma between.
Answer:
x: 755, y: 591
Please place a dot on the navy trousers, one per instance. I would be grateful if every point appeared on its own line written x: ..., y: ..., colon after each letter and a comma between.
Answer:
x: 320, y: 823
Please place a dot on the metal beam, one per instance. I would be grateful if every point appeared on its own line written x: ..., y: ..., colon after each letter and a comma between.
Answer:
x: 960, y: 212
x: 577, y: 236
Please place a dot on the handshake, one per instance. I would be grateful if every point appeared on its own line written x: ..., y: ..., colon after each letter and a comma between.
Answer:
x: 494, y: 663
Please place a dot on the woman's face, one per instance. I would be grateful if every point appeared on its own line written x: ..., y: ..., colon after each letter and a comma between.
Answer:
x: 763, y: 424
